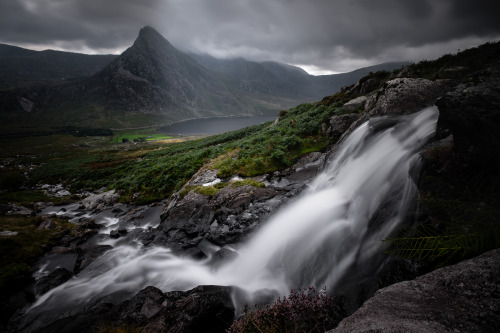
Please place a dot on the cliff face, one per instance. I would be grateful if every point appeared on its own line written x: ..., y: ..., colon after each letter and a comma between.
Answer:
x: 459, y: 205
x: 154, y: 77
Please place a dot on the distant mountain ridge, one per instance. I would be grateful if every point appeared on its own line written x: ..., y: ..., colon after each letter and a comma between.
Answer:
x: 20, y: 66
x: 152, y: 83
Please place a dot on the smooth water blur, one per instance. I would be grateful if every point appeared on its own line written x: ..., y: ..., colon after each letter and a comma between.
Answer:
x: 311, y: 242
x: 214, y: 125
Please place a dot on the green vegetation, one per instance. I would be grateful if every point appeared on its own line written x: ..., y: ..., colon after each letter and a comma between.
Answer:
x: 122, y: 136
x: 430, y: 246
x: 212, y: 190
x: 461, y: 203
x: 11, y: 180
x: 28, y: 197
x: 19, y: 252
x: 152, y: 170
x: 457, y: 66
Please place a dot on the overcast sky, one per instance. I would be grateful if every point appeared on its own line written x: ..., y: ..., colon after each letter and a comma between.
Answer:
x: 322, y: 36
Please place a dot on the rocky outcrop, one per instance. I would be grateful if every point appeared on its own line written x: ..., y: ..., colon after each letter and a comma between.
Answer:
x: 459, y: 298
x: 219, y: 219
x: 53, y: 279
x: 100, y: 201
x: 202, y: 309
x: 472, y: 113
x: 340, y: 124
x: 354, y: 104
x: 232, y: 213
x: 405, y: 95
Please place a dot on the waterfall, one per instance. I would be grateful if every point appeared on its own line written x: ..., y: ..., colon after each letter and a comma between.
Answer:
x: 358, y: 200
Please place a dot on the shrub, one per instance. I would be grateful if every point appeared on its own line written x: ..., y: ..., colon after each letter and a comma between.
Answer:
x: 11, y: 180
x: 303, y: 311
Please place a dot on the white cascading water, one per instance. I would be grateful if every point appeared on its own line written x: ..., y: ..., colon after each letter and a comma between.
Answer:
x: 311, y: 242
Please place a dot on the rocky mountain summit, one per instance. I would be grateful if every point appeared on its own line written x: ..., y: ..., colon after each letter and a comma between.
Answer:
x: 154, y: 77
x: 150, y: 84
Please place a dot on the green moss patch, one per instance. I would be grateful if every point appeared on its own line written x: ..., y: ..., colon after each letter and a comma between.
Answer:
x: 19, y: 252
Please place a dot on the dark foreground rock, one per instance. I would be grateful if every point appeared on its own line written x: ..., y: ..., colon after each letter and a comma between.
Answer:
x: 472, y: 112
x: 202, y: 309
x: 461, y: 298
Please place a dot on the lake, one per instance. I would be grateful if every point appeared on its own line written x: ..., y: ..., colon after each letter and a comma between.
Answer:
x: 214, y: 125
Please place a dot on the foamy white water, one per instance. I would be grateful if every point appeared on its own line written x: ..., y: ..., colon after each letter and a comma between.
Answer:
x: 311, y: 242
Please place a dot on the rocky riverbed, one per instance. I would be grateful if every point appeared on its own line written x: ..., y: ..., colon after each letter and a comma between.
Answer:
x: 208, y: 227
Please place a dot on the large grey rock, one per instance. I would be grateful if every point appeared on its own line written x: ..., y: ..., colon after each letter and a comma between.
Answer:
x: 202, y: 309
x: 100, y: 201
x: 354, y: 104
x: 53, y: 279
x: 340, y: 124
x: 405, y: 95
x: 461, y: 298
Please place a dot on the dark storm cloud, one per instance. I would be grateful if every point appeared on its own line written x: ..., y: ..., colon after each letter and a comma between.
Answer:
x: 337, y: 35
x: 90, y: 24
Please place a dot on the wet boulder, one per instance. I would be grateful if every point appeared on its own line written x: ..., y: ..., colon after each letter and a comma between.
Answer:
x: 55, y: 278
x: 88, y: 254
x: 202, y: 309
x: 117, y: 233
x: 223, y: 218
x: 464, y: 297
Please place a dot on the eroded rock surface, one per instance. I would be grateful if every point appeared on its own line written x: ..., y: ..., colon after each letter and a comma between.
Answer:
x: 202, y: 309
x: 100, y: 201
x: 233, y: 213
x: 405, y: 95
x: 461, y: 298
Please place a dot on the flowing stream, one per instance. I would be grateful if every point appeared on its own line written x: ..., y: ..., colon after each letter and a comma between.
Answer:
x: 362, y: 195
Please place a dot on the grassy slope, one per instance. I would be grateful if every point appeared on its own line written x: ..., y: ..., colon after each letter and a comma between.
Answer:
x: 151, y: 171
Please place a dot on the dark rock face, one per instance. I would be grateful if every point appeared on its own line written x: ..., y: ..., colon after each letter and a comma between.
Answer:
x: 233, y: 213
x: 459, y: 298
x: 340, y: 124
x: 88, y: 254
x: 223, y: 218
x: 202, y: 309
x: 55, y: 278
x: 405, y: 95
x: 472, y: 113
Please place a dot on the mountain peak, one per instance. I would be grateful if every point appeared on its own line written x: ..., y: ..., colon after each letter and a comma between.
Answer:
x: 149, y: 36
x: 148, y: 31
